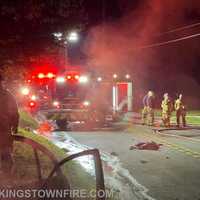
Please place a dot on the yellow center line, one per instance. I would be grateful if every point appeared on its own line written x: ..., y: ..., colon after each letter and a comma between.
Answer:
x: 179, y: 148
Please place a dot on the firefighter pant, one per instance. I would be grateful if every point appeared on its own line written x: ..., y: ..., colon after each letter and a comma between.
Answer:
x: 166, y: 118
x: 181, y: 114
x: 144, y: 114
x: 150, y: 116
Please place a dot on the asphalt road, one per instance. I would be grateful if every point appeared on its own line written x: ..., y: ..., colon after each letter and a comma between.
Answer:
x: 172, y: 173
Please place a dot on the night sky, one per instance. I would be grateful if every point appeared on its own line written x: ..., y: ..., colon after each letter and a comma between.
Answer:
x: 170, y: 68
x: 112, y: 33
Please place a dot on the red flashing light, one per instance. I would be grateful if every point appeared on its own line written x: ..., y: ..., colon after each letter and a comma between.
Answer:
x: 32, y: 104
x: 50, y: 75
x: 43, y: 73
x: 41, y: 76
x: 69, y: 77
x: 76, y: 77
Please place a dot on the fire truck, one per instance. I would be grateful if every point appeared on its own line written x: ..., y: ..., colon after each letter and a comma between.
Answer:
x: 47, y: 88
x: 77, y: 92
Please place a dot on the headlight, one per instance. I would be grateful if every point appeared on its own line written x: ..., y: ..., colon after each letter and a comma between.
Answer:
x: 60, y: 79
x: 83, y: 79
x: 33, y: 97
x: 56, y: 103
x: 99, y: 79
x: 25, y: 91
x: 115, y: 76
x: 86, y: 103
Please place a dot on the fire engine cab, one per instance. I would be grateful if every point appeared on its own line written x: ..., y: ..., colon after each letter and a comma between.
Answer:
x: 46, y: 88
x: 77, y: 91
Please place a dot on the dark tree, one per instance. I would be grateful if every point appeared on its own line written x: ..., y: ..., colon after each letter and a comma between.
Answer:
x: 27, y: 27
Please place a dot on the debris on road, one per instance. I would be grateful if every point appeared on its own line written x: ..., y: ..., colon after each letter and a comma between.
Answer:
x: 146, y: 146
x: 45, y: 127
x: 144, y: 161
x: 117, y: 178
x: 113, y: 153
x: 107, y: 167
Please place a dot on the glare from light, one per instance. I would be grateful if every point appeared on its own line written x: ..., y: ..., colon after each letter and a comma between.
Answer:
x: 60, y: 79
x: 56, y: 103
x: 50, y: 75
x: 69, y: 77
x: 76, y: 77
x: 32, y: 104
x: 45, y: 97
x: 58, y: 35
x: 83, y: 79
x: 99, y: 79
x: 41, y: 76
x: 33, y: 97
x: 127, y: 76
x: 73, y: 37
x: 114, y: 76
x: 25, y: 91
x: 86, y: 103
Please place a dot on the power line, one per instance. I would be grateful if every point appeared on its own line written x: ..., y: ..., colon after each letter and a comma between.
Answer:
x: 180, y: 28
x: 169, y: 41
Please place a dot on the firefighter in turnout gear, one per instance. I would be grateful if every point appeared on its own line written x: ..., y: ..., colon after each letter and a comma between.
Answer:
x: 180, y: 110
x: 9, y: 118
x: 166, y: 110
x: 148, y: 106
x: 144, y: 110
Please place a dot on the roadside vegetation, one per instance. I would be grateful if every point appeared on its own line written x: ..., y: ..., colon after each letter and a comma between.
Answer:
x: 192, y: 117
x: 25, y: 168
x: 27, y: 121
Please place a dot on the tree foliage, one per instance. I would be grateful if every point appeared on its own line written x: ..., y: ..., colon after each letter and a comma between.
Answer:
x: 27, y: 27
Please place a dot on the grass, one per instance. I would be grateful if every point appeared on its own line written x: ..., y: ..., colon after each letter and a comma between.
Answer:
x: 192, y: 117
x: 26, y: 120
x: 193, y: 120
x: 24, y: 157
x: 25, y: 166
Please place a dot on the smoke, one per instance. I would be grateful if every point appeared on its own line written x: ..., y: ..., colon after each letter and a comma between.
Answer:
x: 115, y: 47
x: 112, y: 45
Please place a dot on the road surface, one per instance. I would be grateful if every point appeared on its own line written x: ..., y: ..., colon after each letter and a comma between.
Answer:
x: 172, y: 173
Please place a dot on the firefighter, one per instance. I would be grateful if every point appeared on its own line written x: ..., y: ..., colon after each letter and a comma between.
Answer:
x: 150, y: 108
x: 180, y: 111
x: 9, y: 118
x: 144, y: 110
x: 166, y: 110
